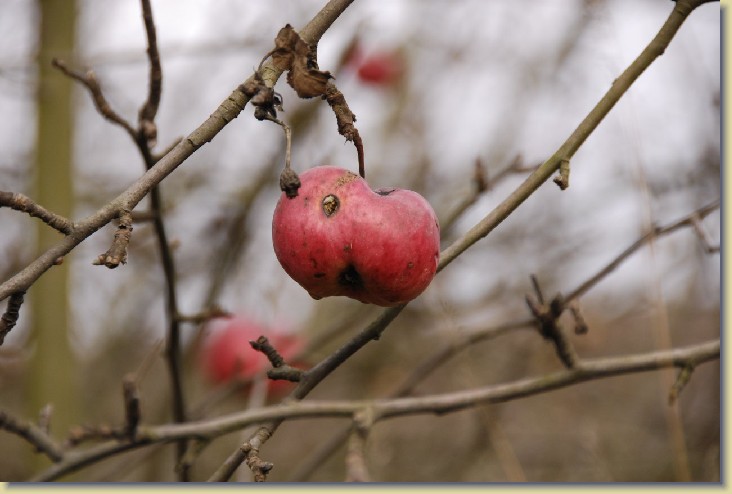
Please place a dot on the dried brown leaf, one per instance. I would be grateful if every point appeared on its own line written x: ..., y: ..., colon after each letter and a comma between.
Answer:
x: 293, y: 54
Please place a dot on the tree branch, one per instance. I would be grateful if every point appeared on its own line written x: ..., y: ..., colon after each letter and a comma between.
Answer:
x: 23, y: 203
x: 652, y: 51
x: 227, y: 111
x: 591, y: 369
x: 10, y: 317
x: 33, y: 434
x: 566, y: 151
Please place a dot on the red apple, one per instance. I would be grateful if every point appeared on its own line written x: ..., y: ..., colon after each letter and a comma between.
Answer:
x: 339, y: 237
x: 381, y: 69
x: 227, y: 354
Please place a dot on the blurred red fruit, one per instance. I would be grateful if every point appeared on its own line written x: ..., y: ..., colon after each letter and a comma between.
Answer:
x: 227, y: 354
x: 381, y: 69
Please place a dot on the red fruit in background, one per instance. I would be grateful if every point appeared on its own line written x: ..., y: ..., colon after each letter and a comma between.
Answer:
x: 339, y: 237
x: 227, y: 354
x: 381, y: 69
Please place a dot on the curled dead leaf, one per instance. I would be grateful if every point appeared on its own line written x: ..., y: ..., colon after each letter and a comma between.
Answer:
x: 293, y: 54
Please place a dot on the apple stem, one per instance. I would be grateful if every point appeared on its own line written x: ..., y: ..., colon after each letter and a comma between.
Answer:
x: 289, y: 181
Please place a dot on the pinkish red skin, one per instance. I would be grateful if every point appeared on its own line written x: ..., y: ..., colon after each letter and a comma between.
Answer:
x: 381, y: 69
x: 227, y: 354
x: 379, y: 249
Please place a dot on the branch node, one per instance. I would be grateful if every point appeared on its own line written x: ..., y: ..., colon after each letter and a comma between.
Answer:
x: 259, y: 467
x: 11, y: 315
x: 117, y: 253
x: 281, y: 371
x: 703, y: 234
x: 132, y: 406
x: 682, y: 379
x: 22, y: 203
x: 547, y: 316
x: 563, y: 179
x: 89, y: 80
x: 32, y: 433
x: 356, y: 466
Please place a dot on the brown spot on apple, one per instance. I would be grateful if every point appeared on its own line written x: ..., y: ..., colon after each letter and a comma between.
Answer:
x: 331, y: 204
x: 346, y: 178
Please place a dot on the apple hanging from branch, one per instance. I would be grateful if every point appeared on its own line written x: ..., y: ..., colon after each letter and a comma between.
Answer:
x: 339, y: 237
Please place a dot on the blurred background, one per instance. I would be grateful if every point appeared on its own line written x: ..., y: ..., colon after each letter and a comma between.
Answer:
x: 435, y: 85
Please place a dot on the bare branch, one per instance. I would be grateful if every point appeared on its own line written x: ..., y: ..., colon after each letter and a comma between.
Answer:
x: 100, y: 102
x: 563, y: 179
x: 33, y: 434
x: 117, y: 253
x: 20, y: 202
x: 591, y: 369
x: 225, y: 113
x: 653, y: 50
x: 356, y: 466
x: 703, y: 235
x: 10, y: 317
x: 655, y: 233
x: 132, y: 405
x: 682, y: 380
x: 150, y: 108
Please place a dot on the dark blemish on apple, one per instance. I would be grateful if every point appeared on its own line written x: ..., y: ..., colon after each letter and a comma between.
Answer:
x: 384, y: 192
x: 349, y: 277
x: 331, y: 204
x: 319, y: 275
x: 410, y: 265
x: 347, y: 248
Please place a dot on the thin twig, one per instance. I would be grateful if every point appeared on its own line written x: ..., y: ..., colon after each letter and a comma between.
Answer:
x: 132, y: 405
x: 655, y: 233
x: 226, y: 112
x: 703, y: 235
x: 592, y: 369
x: 20, y: 202
x: 356, y: 466
x: 32, y: 433
x: 10, y: 317
x: 434, y: 361
x: 89, y: 80
x: 150, y: 108
x: 654, y: 49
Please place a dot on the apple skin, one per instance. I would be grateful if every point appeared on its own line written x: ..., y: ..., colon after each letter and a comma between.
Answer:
x: 379, y: 247
x: 227, y: 355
